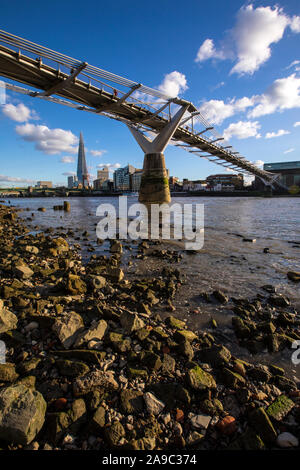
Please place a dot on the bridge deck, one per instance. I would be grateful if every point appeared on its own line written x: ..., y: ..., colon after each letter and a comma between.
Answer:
x: 49, y: 80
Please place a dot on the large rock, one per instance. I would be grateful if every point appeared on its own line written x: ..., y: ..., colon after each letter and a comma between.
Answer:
x: 67, y: 328
x: 8, y: 373
x: 95, y: 332
x: 131, y: 322
x: 131, y: 401
x: 198, y: 379
x: 114, y: 274
x: 22, y: 414
x: 94, y: 379
x: 75, y: 285
x: 153, y: 404
x: 262, y: 425
x: 217, y: 356
x: 8, y: 320
x: 294, y: 276
x: 23, y: 272
x: 280, y: 408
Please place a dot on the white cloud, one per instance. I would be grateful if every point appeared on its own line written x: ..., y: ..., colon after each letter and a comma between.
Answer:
x: 49, y: 141
x: 271, y: 135
x: 288, y: 151
x: 259, y: 163
x: 293, y: 64
x: 19, y: 112
x: 216, y: 111
x: 67, y: 159
x: 242, y: 130
x: 69, y: 173
x: 297, y: 124
x: 97, y: 153
x: 251, y: 38
x: 295, y: 24
x: 284, y: 93
x: 12, y: 179
x: 208, y: 51
x: 110, y: 166
x: 173, y: 84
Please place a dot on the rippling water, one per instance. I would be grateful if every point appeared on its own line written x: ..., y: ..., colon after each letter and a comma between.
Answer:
x: 225, y: 262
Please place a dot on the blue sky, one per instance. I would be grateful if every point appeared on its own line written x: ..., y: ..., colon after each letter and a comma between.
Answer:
x: 237, y: 61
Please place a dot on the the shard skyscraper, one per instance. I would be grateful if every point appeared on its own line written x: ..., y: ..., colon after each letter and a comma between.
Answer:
x: 82, y: 172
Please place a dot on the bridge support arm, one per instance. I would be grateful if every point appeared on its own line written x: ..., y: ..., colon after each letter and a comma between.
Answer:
x: 154, y: 187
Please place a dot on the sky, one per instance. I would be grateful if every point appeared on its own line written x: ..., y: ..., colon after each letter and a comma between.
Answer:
x: 238, y: 62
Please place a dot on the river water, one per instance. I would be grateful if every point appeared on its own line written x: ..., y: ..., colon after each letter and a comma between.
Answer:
x: 225, y: 262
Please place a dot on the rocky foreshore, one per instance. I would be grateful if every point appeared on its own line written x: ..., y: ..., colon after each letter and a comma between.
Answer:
x: 91, y: 365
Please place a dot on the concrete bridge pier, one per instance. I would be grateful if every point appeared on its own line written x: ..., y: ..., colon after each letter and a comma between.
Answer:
x: 154, y: 187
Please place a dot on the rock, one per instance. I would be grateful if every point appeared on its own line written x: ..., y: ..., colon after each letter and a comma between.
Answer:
x: 185, y: 349
x: 98, y: 378
x: 217, y: 355
x: 172, y: 394
x: 260, y: 373
x: 22, y: 414
x: 286, y: 439
x: 131, y: 401
x: 227, y: 425
x: 280, y: 408
x: 72, y: 368
x: 114, y: 434
x: 175, y: 323
x: 153, y: 404
x: 115, y: 274
x: 8, y: 320
x: 151, y: 360
x: 184, y: 335
x: 32, y: 249
x: 67, y: 327
x: 198, y: 379
x: 199, y: 421
x: 232, y: 379
x: 251, y: 240
x: 194, y: 438
x: 97, y: 422
x: 96, y: 282
x: 220, y: 296
x: 95, y: 332
x: 116, y: 247
x: 75, y: 285
x: 262, y: 425
x: 294, y: 276
x: 168, y: 364
x: 131, y: 322
x: 8, y: 373
x: 118, y: 343
x: 23, y: 272
x: 278, y: 300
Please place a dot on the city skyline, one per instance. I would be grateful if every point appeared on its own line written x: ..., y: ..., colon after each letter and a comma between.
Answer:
x: 253, y: 96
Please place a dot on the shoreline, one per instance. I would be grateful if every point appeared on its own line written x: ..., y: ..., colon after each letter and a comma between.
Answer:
x: 87, y: 347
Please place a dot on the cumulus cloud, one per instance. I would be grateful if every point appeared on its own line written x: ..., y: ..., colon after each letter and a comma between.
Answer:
x: 242, y: 130
x: 297, y: 124
x: 69, y: 173
x: 67, y: 159
x: 284, y: 93
x: 49, y: 141
x: 251, y: 38
x: 13, y: 179
x: 259, y: 163
x: 110, y: 166
x: 173, y: 84
x: 207, y: 50
x: 18, y: 113
x: 216, y: 111
x: 97, y: 153
x: 288, y: 151
x: 271, y: 135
